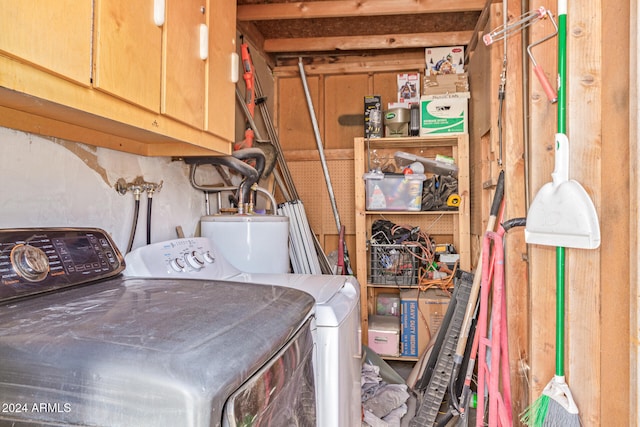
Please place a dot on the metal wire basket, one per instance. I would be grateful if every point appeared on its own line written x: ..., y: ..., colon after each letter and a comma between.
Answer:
x: 394, y: 264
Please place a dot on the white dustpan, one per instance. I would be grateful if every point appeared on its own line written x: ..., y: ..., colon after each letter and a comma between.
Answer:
x: 562, y: 213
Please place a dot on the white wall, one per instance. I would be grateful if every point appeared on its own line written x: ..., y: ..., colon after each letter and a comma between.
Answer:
x: 50, y: 182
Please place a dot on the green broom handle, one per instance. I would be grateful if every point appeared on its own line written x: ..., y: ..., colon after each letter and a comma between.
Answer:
x: 560, y: 311
x: 562, y: 128
x: 562, y: 73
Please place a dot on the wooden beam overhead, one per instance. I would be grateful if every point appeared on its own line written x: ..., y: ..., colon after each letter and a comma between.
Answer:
x: 348, y: 8
x: 317, y: 44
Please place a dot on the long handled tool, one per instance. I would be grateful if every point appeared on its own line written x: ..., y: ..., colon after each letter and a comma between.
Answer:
x: 524, y: 21
x: 462, y: 409
x: 306, y: 252
x: 323, y: 161
x: 250, y: 97
x: 537, y: 68
x: 495, y: 375
x: 446, y: 360
x: 561, y: 215
x: 477, y: 279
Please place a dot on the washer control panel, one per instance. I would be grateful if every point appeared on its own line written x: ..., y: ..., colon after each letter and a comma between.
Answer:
x: 37, y: 260
x: 195, y: 257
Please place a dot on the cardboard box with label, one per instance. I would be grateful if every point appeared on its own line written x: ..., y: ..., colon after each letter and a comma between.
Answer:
x: 442, y: 84
x: 373, y: 116
x: 444, y: 60
x: 444, y: 114
x: 408, y: 88
x: 420, y: 318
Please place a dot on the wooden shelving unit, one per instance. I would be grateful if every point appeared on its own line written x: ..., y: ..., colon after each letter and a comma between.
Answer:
x: 442, y: 226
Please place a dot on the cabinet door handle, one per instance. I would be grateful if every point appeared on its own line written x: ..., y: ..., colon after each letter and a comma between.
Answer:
x: 235, y: 67
x: 204, y: 41
x: 158, y: 12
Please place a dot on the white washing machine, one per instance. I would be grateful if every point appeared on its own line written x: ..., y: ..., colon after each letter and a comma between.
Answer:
x: 337, y: 357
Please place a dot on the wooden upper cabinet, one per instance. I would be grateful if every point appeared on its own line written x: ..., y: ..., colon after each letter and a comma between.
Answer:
x: 184, y: 65
x: 128, y: 51
x: 220, y: 114
x: 118, y: 74
x: 54, y: 35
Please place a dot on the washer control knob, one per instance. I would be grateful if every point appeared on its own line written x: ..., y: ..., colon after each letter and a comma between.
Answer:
x: 177, y: 264
x: 194, y: 259
x: 30, y: 262
x: 208, y: 257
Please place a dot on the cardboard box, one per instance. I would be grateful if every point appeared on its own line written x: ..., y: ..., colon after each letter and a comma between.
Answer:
x: 409, y: 87
x: 444, y: 114
x: 444, y: 60
x: 373, y: 116
x: 384, y: 335
x: 420, y: 319
x: 433, y: 305
x: 441, y: 84
x: 393, y: 192
x: 410, y: 346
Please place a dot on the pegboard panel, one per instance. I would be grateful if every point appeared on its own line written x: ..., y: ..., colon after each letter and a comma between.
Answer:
x: 433, y: 224
x: 312, y: 188
x: 307, y: 177
x: 341, y: 172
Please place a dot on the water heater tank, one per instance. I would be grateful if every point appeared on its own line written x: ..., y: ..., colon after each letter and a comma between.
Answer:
x: 251, y: 243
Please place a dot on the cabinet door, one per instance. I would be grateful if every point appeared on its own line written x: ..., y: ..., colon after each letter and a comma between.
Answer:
x: 128, y: 48
x: 54, y: 35
x: 221, y: 99
x: 184, y: 69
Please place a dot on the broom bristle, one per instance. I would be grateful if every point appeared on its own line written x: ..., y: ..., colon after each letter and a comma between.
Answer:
x: 546, y: 412
x: 535, y: 414
x: 559, y: 416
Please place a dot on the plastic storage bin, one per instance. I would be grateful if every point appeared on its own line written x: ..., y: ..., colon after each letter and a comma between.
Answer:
x: 388, y: 305
x: 393, y: 192
x: 384, y: 335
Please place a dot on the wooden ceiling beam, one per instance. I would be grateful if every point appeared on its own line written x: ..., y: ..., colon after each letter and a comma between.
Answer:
x: 389, y: 41
x: 348, y: 8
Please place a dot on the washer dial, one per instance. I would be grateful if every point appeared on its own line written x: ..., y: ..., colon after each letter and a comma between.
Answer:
x: 194, y: 259
x: 30, y: 262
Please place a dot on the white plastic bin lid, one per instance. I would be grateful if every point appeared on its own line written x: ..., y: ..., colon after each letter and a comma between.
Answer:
x: 376, y: 175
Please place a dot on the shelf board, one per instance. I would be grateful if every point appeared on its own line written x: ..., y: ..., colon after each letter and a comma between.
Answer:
x: 400, y: 358
x: 411, y: 212
x: 425, y: 141
x: 392, y: 286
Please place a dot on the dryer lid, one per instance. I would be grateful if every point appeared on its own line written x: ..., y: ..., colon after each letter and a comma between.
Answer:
x: 336, y: 296
x: 150, y: 351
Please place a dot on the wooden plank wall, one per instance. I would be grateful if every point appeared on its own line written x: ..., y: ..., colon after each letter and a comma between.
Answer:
x: 615, y: 199
x: 597, y: 281
x: 634, y: 202
x: 489, y: 157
